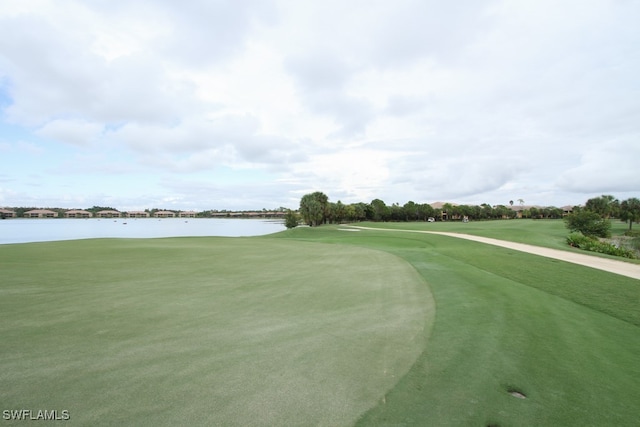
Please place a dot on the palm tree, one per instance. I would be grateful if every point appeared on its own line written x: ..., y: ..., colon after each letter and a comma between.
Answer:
x: 630, y: 210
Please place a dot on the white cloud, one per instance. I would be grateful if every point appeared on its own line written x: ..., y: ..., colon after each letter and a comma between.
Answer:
x: 606, y: 167
x: 417, y: 100
x: 75, y: 132
x: 356, y: 174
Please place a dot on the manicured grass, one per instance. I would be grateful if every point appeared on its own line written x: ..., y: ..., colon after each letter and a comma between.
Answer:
x: 549, y: 233
x: 206, y: 331
x: 565, y: 335
x: 318, y: 326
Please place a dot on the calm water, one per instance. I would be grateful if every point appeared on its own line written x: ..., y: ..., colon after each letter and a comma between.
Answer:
x: 43, y: 230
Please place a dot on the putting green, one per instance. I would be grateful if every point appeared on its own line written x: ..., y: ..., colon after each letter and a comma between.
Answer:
x: 218, y: 331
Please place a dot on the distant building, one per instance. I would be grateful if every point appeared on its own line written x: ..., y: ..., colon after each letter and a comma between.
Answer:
x: 522, y: 210
x: 77, y: 213
x: 137, y: 214
x: 187, y: 214
x: 567, y: 210
x: 6, y: 213
x: 444, y: 215
x: 519, y: 210
x: 164, y: 214
x: 108, y: 214
x: 40, y: 213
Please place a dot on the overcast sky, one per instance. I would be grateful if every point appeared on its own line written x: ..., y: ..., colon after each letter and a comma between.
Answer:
x: 252, y: 104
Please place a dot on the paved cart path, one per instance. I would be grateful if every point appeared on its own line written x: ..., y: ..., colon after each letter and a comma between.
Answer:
x: 613, y: 266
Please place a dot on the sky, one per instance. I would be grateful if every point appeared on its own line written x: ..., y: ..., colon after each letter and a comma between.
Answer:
x: 239, y: 105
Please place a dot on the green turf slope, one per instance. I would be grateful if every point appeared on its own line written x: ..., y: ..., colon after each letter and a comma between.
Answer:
x: 206, y: 331
x: 566, y: 336
x: 315, y: 326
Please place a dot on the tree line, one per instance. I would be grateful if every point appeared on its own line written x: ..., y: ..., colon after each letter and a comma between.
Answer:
x: 315, y: 209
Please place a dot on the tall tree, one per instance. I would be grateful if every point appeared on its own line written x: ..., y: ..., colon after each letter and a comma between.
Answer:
x: 425, y: 211
x: 381, y: 211
x: 397, y: 213
x: 446, y: 213
x: 555, y: 212
x: 337, y: 212
x: 606, y: 205
x: 487, y: 211
x: 411, y: 211
x: 630, y: 211
x: 534, y: 212
x: 501, y: 211
x: 314, y: 208
x: 359, y: 211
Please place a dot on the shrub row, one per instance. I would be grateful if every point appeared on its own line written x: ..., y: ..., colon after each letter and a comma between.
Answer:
x: 579, y: 240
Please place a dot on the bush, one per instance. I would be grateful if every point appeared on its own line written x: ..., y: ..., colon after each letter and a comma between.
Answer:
x: 587, y: 243
x: 632, y: 233
x: 588, y: 223
x: 578, y: 240
x: 291, y: 219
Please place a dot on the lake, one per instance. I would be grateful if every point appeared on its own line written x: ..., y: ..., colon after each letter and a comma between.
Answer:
x: 43, y: 230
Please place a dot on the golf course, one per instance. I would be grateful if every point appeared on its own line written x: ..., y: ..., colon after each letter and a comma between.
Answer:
x: 319, y: 326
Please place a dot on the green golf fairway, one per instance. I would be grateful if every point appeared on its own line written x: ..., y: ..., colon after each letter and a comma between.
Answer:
x: 207, y: 331
x: 565, y: 336
x: 318, y: 326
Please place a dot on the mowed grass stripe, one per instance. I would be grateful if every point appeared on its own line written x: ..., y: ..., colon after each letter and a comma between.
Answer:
x: 206, y: 330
